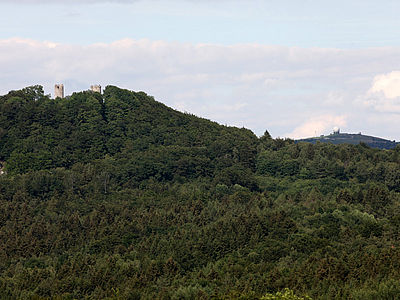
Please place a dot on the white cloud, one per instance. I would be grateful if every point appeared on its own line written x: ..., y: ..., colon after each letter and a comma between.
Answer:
x: 381, y: 104
x: 317, y: 126
x: 335, y: 98
x: 258, y: 86
x: 389, y: 84
x: 384, y: 94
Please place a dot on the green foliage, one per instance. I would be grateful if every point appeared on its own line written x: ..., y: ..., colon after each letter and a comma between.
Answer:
x: 117, y: 196
x: 286, y: 294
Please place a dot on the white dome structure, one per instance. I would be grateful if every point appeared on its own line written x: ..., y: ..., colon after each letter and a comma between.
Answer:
x: 336, y: 130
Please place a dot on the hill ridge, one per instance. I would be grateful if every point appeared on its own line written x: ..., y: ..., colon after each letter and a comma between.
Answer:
x: 352, y: 138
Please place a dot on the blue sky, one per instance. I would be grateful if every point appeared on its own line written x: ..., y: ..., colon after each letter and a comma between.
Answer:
x: 290, y: 23
x: 295, y: 68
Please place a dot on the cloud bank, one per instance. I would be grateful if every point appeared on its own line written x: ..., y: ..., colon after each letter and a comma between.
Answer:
x: 384, y: 94
x: 317, y: 126
x: 389, y: 84
x: 289, y: 91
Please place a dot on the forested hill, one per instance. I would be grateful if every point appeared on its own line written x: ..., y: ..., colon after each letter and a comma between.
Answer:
x: 117, y: 196
x: 144, y: 137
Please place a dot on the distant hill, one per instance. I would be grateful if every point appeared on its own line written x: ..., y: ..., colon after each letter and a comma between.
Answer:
x: 354, y: 139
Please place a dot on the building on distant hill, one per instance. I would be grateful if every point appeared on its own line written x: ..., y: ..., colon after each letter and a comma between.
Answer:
x: 59, y: 90
x: 96, y: 88
x: 336, y: 130
x: 349, y: 138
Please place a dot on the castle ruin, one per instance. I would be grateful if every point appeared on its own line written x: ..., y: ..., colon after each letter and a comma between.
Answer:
x: 59, y: 91
x: 96, y: 88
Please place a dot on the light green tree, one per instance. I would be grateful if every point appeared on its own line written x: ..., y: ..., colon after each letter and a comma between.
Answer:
x: 286, y: 294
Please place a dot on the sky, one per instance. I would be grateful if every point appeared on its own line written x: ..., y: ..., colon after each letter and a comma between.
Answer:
x: 294, y: 68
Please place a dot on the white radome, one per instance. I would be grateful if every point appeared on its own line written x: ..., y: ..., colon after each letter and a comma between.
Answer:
x: 335, y: 129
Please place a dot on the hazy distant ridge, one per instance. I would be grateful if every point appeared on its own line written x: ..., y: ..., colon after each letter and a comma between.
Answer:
x: 354, y: 139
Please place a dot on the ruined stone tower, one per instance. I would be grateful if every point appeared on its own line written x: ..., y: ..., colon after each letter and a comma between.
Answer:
x: 59, y: 91
x: 96, y: 88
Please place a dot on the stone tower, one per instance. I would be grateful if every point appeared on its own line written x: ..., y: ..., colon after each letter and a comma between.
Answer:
x: 59, y: 91
x: 96, y: 88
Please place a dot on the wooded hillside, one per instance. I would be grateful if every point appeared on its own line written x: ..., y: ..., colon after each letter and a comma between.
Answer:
x: 118, y: 196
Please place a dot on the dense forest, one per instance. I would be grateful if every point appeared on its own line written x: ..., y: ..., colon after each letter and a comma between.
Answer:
x: 118, y: 196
